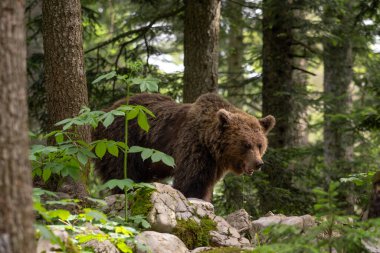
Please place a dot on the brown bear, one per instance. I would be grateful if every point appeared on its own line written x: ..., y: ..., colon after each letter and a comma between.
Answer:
x: 207, y: 139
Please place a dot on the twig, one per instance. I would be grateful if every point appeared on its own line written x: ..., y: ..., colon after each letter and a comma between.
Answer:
x: 303, y: 70
x: 141, y: 30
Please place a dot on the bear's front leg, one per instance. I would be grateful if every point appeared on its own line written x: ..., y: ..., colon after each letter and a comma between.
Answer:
x: 197, y: 179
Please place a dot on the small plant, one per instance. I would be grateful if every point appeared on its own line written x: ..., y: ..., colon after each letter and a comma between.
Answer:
x: 131, y: 112
x: 71, y: 157
x: 74, y: 225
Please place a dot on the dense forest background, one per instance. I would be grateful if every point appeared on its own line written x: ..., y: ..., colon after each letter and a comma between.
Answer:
x: 314, y: 65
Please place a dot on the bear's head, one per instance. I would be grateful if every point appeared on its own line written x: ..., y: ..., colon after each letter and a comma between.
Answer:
x: 243, y: 140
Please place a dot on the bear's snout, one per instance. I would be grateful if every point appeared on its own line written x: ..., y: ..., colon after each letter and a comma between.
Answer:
x: 250, y: 167
x: 259, y: 164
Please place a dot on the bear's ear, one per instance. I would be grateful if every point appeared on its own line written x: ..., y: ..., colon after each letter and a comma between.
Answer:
x: 224, y: 118
x: 267, y: 123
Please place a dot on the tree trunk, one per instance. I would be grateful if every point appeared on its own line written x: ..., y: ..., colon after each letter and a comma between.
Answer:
x: 282, y: 85
x: 16, y: 209
x: 279, y: 87
x: 338, y: 75
x: 235, y: 51
x: 337, y: 78
x: 65, y: 78
x: 201, y: 34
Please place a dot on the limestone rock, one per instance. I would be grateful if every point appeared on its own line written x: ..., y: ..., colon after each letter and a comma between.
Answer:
x: 168, y: 206
x: 226, y: 235
x: 303, y: 222
x: 263, y: 222
x: 115, y: 205
x: 240, y: 220
x: 201, y: 249
x: 308, y: 221
x: 293, y: 221
x: 372, y: 246
x: 160, y: 243
x: 201, y: 204
x: 45, y: 246
x: 101, y: 246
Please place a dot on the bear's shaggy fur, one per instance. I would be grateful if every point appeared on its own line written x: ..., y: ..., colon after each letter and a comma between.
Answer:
x: 207, y: 139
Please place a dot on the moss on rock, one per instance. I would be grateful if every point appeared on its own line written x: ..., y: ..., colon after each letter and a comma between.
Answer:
x: 140, y: 201
x: 194, y: 234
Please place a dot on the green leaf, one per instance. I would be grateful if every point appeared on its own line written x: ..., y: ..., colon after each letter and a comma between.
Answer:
x: 133, y: 114
x: 168, y: 160
x: 121, y: 145
x: 107, y: 76
x: 143, y: 121
x: 88, y: 237
x: 124, y: 247
x: 145, y: 224
x: 82, y: 158
x: 137, y: 80
x: 59, y: 138
x: 135, y: 149
x: 71, y: 150
x: 112, y: 149
x: 146, y: 153
x: 37, y: 172
x: 123, y: 230
x: 119, y: 183
x: 117, y: 113
x: 47, y: 234
x: 32, y: 157
x: 91, y: 214
x: 108, y: 120
x: 149, y: 83
x: 60, y: 213
x: 100, y: 149
x: 67, y: 126
x: 88, y: 153
x: 46, y: 174
x: 71, y: 171
x: 147, y: 111
x: 62, y: 122
x: 125, y: 108
x: 84, y: 110
x: 156, y: 157
x: 37, y: 192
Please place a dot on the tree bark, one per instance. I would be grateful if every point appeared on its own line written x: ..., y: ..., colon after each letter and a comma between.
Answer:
x: 280, y: 88
x: 338, y: 75
x: 337, y: 78
x: 338, y: 138
x: 235, y: 51
x: 282, y: 85
x: 201, y: 35
x: 65, y: 79
x: 16, y: 209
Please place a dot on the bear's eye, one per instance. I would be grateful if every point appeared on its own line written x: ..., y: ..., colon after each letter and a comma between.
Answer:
x: 259, y: 146
x: 248, y: 145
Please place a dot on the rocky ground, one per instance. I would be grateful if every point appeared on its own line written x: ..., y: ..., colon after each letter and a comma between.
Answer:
x: 186, y: 225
